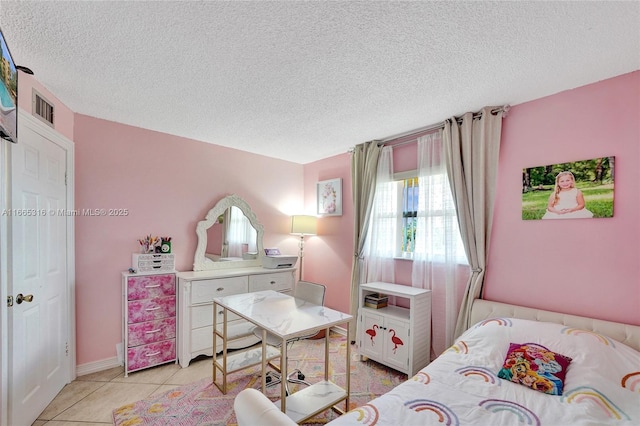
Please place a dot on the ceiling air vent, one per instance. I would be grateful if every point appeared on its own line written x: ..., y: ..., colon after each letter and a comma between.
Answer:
x: 42, y: 108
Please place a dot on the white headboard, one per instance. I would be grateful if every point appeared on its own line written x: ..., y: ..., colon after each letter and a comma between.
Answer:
x: 625, y: 333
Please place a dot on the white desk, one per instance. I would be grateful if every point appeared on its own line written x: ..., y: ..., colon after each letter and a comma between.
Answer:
x: 286, y: 318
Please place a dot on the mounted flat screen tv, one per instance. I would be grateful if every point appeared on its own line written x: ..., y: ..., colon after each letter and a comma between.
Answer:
x: 8, y: 93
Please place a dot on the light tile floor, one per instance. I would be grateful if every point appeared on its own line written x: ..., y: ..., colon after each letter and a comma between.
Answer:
x: 91, y: 399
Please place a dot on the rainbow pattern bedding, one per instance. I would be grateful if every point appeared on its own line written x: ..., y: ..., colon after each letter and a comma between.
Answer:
x: 462, y: 387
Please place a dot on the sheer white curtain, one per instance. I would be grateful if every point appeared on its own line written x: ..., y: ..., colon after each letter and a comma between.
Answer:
x: 241, y: 236
x: 438, y: 260
x: 381, y: 242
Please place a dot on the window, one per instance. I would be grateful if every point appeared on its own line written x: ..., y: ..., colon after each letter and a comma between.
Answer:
x: 439, y: 220
x: 409, y: 214
x: 412, y: 217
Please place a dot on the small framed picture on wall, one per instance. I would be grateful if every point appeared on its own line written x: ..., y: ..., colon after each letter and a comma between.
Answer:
x: 330, y: 197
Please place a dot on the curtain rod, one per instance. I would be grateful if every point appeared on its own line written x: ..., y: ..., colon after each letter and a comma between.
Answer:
x: 432, y: 127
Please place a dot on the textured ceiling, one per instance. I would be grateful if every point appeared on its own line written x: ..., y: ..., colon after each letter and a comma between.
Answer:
x: 302, y: 81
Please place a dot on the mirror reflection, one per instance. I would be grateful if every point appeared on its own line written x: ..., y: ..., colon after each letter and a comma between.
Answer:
x: 229, y: 237
x: 232, y: 237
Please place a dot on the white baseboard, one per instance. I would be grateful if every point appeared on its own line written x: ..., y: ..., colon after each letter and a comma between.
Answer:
x: 94, y: 367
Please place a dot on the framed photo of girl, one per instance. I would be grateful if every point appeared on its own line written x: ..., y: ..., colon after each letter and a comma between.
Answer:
x: 576, y: 190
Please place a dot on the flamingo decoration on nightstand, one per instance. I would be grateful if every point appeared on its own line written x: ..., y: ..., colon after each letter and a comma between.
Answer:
x: 395, y: 339
x: 372, y: 333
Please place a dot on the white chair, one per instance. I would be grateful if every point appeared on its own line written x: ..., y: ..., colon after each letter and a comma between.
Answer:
x: 309, y: 292
x: 252, y: 408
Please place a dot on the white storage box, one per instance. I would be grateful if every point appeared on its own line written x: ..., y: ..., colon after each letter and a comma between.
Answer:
x: 279, y: 261
x: 149, y: 262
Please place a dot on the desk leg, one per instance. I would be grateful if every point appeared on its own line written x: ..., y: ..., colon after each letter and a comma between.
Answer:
x: 348, y: 370
x: 223, y: 369
x: 224, y: 352
x: 326, y: 354
x: 264, y: 361
x: 215, y: 342
x: 283, y: 376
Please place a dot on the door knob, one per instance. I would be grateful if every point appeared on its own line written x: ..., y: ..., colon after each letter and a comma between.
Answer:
x: 20, y: 298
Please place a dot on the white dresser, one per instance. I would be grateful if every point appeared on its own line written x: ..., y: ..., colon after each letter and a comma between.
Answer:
x: 196, y: 291
x: 399, y: 337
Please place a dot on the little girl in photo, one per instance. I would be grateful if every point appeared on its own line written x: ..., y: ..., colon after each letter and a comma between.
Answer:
x: 566, y: 201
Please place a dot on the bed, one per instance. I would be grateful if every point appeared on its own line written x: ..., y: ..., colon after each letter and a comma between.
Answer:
x: 587, y: 372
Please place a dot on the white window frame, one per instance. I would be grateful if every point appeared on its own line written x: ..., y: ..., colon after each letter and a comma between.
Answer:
x: 399, y: 179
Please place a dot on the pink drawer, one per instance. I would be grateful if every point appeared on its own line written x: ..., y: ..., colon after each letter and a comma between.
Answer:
x: 149, y: 286
x: 151, y: 331
x: 151, y: 309
x: 151, y: 354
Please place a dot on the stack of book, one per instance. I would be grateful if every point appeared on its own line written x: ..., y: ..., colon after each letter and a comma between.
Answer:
x: 376, y: 300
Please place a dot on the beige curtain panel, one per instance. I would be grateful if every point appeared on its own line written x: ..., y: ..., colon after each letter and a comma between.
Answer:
x: 364, y: 167
x: 471, y: 147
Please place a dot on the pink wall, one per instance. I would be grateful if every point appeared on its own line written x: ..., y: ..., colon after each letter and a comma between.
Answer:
x: 168, y: 184
x: 584, y: 267
x: 328, y: 256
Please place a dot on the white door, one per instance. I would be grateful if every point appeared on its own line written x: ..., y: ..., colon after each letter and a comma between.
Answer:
x: 39, y: 326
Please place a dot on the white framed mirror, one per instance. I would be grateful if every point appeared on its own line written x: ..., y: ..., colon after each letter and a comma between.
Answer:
x: 230, y: 236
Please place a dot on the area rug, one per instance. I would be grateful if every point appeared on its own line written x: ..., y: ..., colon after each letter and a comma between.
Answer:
x: 201, y: 403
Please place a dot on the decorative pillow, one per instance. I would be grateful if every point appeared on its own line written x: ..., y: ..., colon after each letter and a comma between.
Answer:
x: 536, y: 367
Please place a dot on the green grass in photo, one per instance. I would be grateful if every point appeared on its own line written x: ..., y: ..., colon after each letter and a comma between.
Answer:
x: 598, y: 199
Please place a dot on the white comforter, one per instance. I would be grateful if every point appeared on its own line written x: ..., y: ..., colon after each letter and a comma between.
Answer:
x: 461, y: 387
